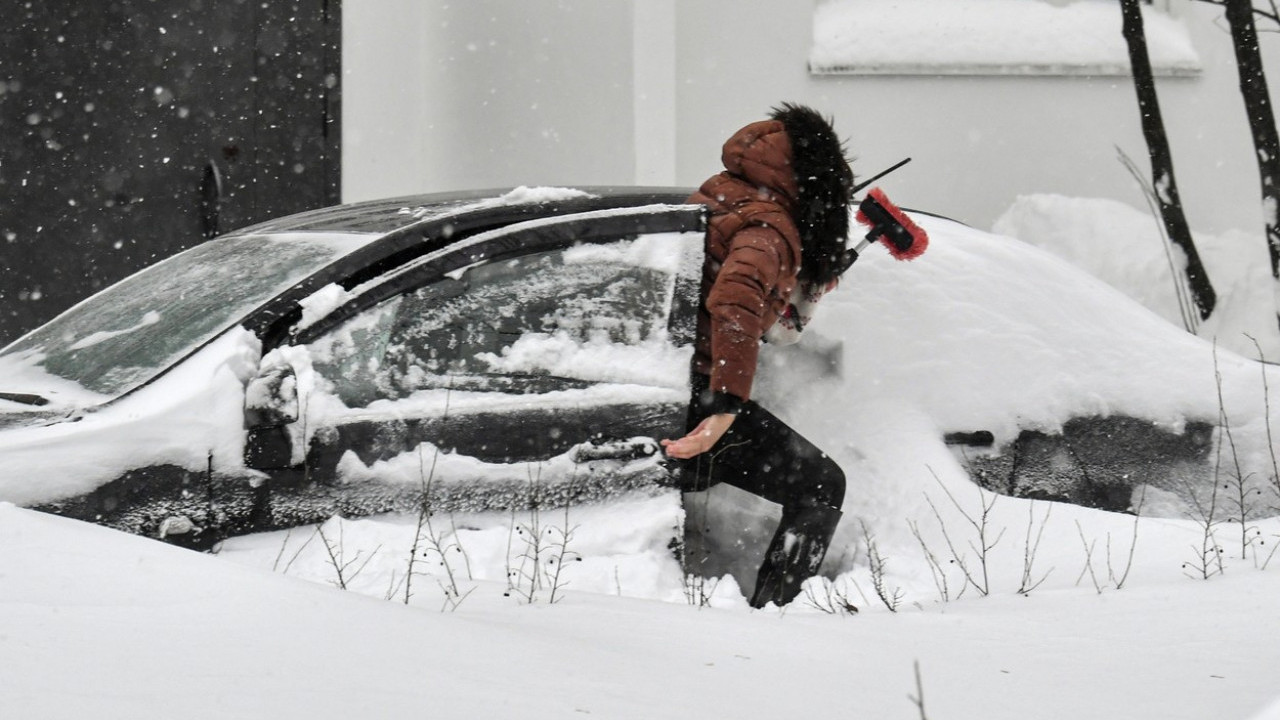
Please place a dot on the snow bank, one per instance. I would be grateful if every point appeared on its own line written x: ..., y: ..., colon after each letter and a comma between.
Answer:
x: 1125, y: 248
x: 988, y: 37
x: 985, y: 332
x: 102, y: 624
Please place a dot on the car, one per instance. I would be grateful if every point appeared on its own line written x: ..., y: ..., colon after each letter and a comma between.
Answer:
x: 491, y: 350
x: 478, y: 350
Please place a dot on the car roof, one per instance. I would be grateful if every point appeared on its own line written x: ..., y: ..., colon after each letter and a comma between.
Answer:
x: 389, y: 215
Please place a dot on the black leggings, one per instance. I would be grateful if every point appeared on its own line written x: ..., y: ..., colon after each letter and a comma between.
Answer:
x: 762, y: 455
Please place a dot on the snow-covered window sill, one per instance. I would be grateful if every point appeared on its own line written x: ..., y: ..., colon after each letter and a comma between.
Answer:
x: 989, y: 37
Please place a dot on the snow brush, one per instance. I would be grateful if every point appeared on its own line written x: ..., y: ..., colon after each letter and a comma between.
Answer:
x: 887, y: 223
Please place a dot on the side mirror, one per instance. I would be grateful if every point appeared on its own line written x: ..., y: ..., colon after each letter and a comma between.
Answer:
x: 270, y: 405
x: 271, y: 397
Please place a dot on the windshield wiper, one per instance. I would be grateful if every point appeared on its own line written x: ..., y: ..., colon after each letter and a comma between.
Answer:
x: 24, y: 398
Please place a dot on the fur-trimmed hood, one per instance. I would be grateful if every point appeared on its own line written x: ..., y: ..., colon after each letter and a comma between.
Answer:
x: 797, y: 155
x: 824, y: 185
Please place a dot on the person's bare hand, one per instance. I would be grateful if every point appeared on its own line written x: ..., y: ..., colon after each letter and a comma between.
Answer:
x: 702, y: 439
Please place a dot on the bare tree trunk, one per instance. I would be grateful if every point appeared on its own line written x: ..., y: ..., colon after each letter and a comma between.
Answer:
x: 1166, y: 189
x: 1262, y: 122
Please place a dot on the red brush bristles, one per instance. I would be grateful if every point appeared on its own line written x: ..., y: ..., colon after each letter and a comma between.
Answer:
x: 919, y: 239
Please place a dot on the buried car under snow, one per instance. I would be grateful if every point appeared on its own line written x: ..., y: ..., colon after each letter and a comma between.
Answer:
x: 497, y: 350
x: 339, y: 361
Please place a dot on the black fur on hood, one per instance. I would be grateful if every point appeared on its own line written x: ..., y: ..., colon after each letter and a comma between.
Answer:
x: 825, y: 183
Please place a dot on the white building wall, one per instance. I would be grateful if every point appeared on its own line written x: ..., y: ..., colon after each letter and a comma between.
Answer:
x: 384, y: 98
x: 444, y: 95
x: 454, y: 95
x: 655, y: 92
x: 976, y: 142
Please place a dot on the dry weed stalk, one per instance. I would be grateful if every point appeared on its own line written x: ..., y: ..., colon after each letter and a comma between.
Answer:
x: 336, y: 550
x: 978, y: 577
x: 1029, y: 582
x: 891, y: 598
x: 540, y: 563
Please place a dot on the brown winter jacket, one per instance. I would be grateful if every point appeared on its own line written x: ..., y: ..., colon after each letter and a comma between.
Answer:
x: 752, y: 257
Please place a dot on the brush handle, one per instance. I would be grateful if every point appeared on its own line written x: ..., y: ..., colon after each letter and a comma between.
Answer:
x: 882, y: 173
x: 848, y: 257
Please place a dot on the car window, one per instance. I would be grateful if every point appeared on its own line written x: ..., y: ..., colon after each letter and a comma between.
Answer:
x: 550, y: 320
x: 135, y: 329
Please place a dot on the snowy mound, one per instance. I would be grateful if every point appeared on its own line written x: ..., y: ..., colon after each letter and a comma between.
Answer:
x: 985, y: 332
x: 1125, y: 248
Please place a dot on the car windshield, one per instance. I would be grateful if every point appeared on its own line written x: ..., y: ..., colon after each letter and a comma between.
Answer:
x: 132, y: 331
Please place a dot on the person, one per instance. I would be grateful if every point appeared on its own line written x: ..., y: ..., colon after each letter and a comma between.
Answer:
x: 779, y: 217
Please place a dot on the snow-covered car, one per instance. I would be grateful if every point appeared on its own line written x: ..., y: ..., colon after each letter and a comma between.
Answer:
x: 488, y: 349
x: 492, y: 351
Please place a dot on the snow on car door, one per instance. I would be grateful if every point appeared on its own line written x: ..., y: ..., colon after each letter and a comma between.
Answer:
x: 538, y: 363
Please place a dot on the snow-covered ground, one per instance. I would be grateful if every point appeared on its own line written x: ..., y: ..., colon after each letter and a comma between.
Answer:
x: 105, y: 625
x: 982, y: 333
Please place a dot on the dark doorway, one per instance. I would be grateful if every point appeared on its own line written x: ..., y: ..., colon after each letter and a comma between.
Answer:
x: 132, y: 129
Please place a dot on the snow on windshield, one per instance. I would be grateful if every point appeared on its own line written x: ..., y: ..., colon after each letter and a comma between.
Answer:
x: 23, y: 371
x: 137, y: 328
x: 150, y: 317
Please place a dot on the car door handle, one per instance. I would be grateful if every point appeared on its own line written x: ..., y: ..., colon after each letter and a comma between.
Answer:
x: 615, y: 449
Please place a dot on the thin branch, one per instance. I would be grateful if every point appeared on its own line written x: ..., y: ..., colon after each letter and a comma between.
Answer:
x: 935, y: 566
x: 1273, y: 14
x: 1030, y: 549
x: 981, y: 526
x: 1181, y: 291
x: 878, y: 563
x: 1133, y: 544
x: 918, y: 698
x: 1266, y: 415
x: 1088, y: 560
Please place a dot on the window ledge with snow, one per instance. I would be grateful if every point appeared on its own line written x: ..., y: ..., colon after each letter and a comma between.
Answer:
x: 989, y: 37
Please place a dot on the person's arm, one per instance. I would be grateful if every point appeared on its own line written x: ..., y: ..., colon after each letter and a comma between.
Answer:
x: 736, y: 303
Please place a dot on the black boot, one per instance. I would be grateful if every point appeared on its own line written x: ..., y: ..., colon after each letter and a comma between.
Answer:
x: 795, y: 554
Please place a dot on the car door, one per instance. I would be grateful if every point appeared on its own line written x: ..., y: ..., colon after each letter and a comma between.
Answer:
x: 538, y: 363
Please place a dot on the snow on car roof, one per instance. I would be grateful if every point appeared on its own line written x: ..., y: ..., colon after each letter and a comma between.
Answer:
x: 391, y: 214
